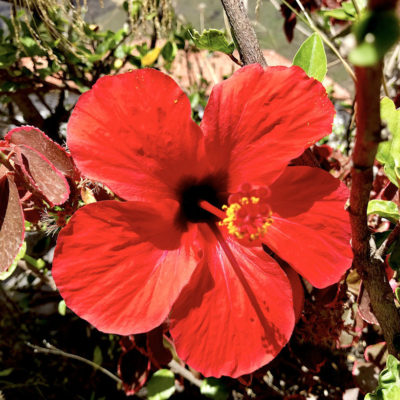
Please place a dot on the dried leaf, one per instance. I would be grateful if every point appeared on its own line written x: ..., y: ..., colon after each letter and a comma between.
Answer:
x: 134, y: 369
x: 158, y: 354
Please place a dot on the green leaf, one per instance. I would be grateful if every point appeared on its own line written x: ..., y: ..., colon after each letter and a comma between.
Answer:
x: 386, y: 209
x: 339, y: 13
x: 97, y: 356
x: 394, y: 258
x: 312, y: 58
x: 348, y: 7
x: 389, y: 152
x: 136, y: 7
x: 389, y: 382
x: 161, y: 385
x: 8, y: 55
x: 169, y: 51
x: 375, y: 32
x: 397, y: 294
x: 212, y: 40
x: 31, y: 47
x: 6, y: 48
x: 95, y: 57
x: 6, y: 372
x: 214, y: 389
x: 62, y: 308
x: 119, y: 52
x: 38, y: 263
x: 347, y: 12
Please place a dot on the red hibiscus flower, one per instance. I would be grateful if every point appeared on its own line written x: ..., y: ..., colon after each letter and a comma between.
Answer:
x: 185, y: 246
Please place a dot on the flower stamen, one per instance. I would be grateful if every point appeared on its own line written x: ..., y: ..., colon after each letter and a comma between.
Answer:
x: 248, y: 215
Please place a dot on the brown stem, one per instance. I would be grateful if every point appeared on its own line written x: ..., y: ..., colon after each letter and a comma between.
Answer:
x: 369, y: 265
x: 235, y: 60
x: 49, y: 349
x: 34, y: 271
x: 243, y: 32
x: 28, y: 110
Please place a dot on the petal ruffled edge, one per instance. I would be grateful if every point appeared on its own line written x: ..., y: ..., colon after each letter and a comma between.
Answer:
x: 111, y: 275
x: 311, y: 228
x: 259, y: 114
x: 230, y: 321
x: 134, y: 133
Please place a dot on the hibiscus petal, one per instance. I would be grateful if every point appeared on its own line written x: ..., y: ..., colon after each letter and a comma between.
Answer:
x: 298, y: 292
x: 110, y: 274
x: 229, y: 323
x: 311, y: 229
x: 134, y: 133
x: 259, y: 119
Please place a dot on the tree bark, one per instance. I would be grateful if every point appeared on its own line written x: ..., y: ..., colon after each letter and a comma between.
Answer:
x: 243, y: 32
x: 369, y: 264
x: 28, y: 110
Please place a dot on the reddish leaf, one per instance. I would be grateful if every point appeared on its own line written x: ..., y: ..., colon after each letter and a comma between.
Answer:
x: 246, y: 379
x: 38, y: 140
x: 364, y: 307
x: 158, y: 354
x: 133, y: 368
x: 42, y: 174
x: 376, y: 354
x: 327, y: 295
x: 127, y: 343
x: 11, y: 221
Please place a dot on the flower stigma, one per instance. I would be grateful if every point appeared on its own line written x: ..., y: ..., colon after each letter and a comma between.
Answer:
x: 248, y: 214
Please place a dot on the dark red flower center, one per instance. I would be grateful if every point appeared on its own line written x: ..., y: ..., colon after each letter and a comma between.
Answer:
x: 192, y: 192
x: 247, y: 214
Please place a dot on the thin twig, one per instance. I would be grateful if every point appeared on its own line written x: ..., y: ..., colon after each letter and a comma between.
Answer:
x: 50, y: 349
x: 355, y: 5
x: 4, y: 161
x: 185, y: 373
x: 243, y: 33
x: 34, y: 271
x: 385, y: 88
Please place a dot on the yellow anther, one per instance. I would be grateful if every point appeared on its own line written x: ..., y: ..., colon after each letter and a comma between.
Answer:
x: 245, y: 219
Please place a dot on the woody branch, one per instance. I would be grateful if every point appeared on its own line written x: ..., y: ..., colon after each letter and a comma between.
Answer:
x: 243, y: 32
x: 368, y: 264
